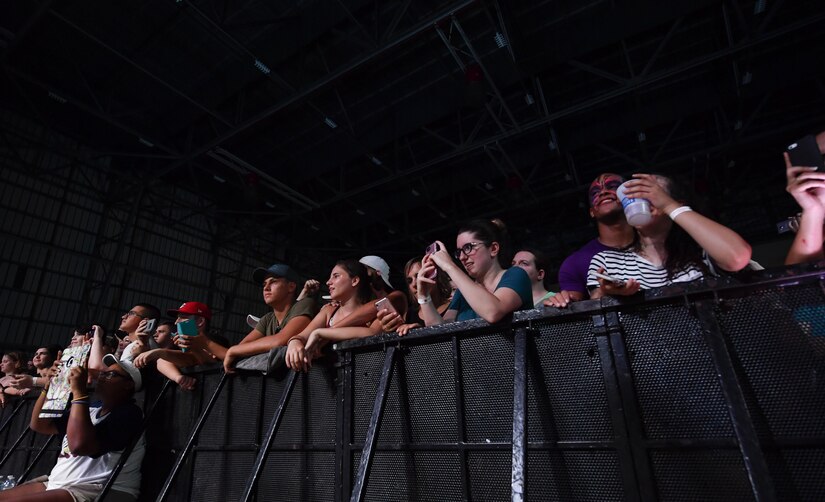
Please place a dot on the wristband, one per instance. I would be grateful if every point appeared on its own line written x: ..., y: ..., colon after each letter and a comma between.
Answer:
x: 78, y: 401
x: 427, y: 299
x: 81, y: 398
x: 679, y: 210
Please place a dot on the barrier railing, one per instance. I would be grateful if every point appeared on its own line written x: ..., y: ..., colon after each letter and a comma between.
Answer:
x: 715, y: 392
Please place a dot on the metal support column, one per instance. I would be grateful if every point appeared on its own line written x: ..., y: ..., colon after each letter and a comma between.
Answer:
x: 191, y: 442
x: 375, y: 426
x: 518, y: 480
x: 752, y: 455
x: 629, y: 404
x: 263, y: 449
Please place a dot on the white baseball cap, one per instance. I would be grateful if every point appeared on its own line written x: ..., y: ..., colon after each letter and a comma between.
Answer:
x: 379, y: 265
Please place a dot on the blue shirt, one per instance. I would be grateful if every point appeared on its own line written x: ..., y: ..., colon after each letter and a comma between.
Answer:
x: 514, y: 278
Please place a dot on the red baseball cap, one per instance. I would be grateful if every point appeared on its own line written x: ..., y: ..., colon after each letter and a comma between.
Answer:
x: 191, y: 308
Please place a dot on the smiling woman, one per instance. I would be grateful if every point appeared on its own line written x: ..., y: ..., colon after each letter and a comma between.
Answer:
x: 486, y: 287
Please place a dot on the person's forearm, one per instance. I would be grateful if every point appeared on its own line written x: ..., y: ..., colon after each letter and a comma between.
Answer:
x: 361, y: 316
x: 178, y: 358
x: 429, y: 314
x: 168, y: 369
x: 96, y: 354
x: 807, y: 245
x: 339, y: 334
x: 487, y: 305
x: 41, y: 425
x: 727, y: 248
x: 80, y: 432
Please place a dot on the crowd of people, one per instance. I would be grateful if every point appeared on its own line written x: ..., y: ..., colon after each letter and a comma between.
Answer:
x: 485, y: 277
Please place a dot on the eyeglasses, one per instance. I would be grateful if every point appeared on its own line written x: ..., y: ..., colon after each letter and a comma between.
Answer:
x: 133, y: 313
x: 108, y: 375
x: 467, y: 249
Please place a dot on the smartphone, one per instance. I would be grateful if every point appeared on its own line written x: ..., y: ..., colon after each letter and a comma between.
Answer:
x: 606, y: 277
x: 187, y: 328
x: 384, y: 303
x: 805, y: 152
x: 432, y: 248
x: 150, y: 327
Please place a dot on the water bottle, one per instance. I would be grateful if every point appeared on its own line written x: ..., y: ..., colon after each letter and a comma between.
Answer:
x: 637, y: 211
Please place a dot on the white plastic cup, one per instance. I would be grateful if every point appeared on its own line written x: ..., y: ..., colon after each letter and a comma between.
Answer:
x: 637, y: 211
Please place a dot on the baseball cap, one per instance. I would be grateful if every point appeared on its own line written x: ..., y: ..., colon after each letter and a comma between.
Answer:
x: 377, y: 263
x: 252, y: 321
x: 191, y: 308
x: 276, y: 270
x: 134, y: 373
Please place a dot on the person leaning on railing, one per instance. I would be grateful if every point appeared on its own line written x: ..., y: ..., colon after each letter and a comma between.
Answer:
x: 677, y: 245
x: 351, y: 307
x: 807, y: 186
x: 487, y: 287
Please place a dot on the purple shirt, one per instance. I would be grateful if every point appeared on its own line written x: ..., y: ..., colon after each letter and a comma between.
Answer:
x: 573, y: 271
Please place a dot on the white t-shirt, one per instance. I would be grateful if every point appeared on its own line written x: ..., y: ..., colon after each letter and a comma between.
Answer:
x: 80, y: 469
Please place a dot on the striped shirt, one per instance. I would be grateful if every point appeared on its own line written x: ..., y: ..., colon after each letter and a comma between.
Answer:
x: 629, y: 265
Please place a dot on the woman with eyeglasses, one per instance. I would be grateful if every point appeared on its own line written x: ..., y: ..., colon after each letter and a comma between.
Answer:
x: 487, y: 287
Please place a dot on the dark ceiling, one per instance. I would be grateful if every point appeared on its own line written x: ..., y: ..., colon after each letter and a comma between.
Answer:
x: 352, y: 126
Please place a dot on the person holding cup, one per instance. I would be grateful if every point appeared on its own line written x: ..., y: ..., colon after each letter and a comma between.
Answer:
x: 676, y: 244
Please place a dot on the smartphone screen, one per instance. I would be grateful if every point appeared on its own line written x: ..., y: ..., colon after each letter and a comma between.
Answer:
x: 805, y: 153
x: 384, y: 303
x: 432, y: 248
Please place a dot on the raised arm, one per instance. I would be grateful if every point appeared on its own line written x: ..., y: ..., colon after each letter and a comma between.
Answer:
x: 727, y: 248
x: 492, y: 307
x: 807, y: 186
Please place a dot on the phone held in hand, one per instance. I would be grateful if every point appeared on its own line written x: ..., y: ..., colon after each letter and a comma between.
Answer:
x: 187, y: 328
x: 614, y: 280
x: 432, y: 248
x: 805, y: 153
x: 150, y: 327
x: 385, y: 304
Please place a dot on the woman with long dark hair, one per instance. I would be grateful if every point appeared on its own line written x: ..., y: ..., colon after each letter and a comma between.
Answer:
x: 349, y: 289
x: 487, y: 287
x: 677, y: 245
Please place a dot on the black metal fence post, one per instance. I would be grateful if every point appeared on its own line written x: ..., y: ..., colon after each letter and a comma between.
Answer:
x: 374, y: 427
x: 263, y: 449
x: 518, y: 478
x: 752, y: 455
x: 191, y: 442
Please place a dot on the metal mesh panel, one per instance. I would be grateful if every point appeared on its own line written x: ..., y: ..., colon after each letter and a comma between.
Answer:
x: 422, y: 476
x: 701, y: 475
x: 805, y: 469
x: 421, y: 402
x: 304, y: 476
x: 490, y: 473
x: 783, y: 358
x: 565, y: 387
x: 366, y: 374
x: 220, y: 475
x: 309, y: 416
x: 487, y: 376
x: 233, y: 419
x: 675, y: 379
x: 573, y: 476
